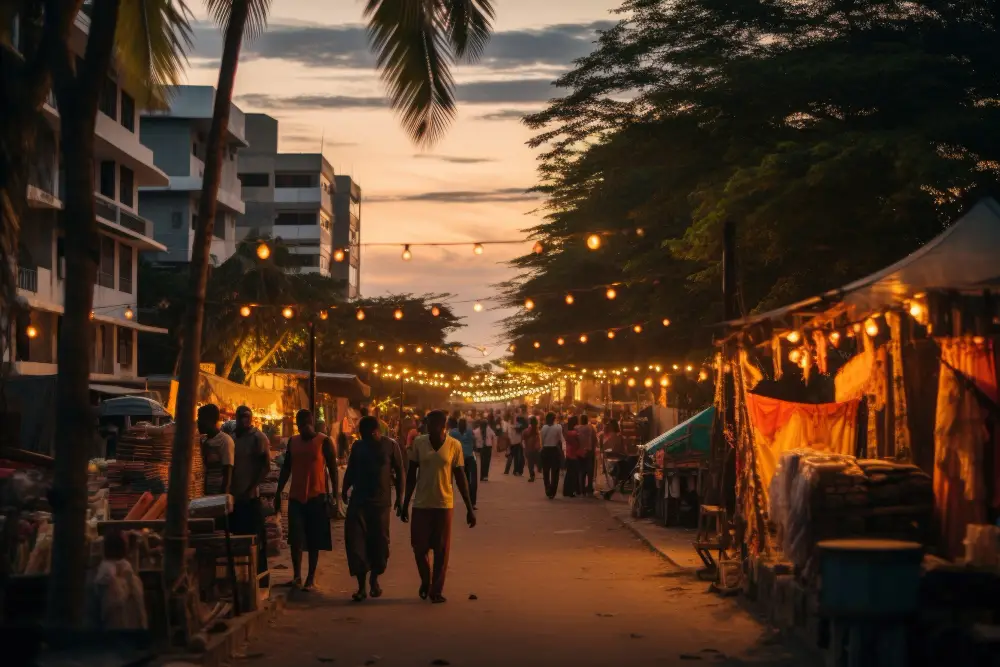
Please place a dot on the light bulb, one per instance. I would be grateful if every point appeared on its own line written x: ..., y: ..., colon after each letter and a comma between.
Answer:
x: 263, y: 251
x: 702, y: 376
x: 398, y: 314
x: 666, y: 322
x: 871, y: 327
x: 611, y: 293
x: 360, y: 314
x: 916, y: 310
x: 834, y: 338
x: 560, y: 341
x: 793, y: 337
x: 245, y: 311
x: 593, y: 241
x: 631, y: 382
x: 478, y: 307
x: 637, y: 328
x: 569, y: 299
x: 794, y: 356
x: 529, y: 304
x: 435, y: 311
x: 323, y: 314
x: 419, y: 350
x: 635, y: 369
x: 338, y: 255
x: 381, y: 348
x: 478, y: 249
x: 401, y: 349
x: 91, y: 314
x: 407, y: 255
x: 664, y: 382
x: 538, y: 248
x: 536, y: 345
x: 640, y: 232
x: 583, y: 338
x: 658, y: 368
x: 647, y: 383
x: 611, y: 333
x: 31, y: 331
x: 287, y: 313
x: 129, y: 313
x: 689, y: 368
x: 676, y: 367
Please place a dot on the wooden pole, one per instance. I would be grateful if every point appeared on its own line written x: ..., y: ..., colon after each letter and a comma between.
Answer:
x: 312, y: 369
x: 726, y: 471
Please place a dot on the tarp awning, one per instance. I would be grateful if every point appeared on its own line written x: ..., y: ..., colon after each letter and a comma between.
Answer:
x: 114, y: 390
x: 962, y: 256
x: 132, y: 406
x: 344, y: 385
x: 690, y: 438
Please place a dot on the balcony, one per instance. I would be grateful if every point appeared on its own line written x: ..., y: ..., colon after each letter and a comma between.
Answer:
x: 126, y: 224
x: 312, y: 195
x: 27, y: 279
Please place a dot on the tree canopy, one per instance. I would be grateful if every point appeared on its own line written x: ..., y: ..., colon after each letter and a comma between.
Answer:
x: 837, y: 136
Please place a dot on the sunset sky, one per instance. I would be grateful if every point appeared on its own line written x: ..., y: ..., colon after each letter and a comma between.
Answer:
x: 312, y: 70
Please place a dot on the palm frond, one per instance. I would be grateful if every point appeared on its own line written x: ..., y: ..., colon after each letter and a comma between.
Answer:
x: 470, y: 23
x: 152, y: 41
x: 257, y: 13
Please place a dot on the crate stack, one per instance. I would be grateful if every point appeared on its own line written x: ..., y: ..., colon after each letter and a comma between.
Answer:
x: 143, y: 464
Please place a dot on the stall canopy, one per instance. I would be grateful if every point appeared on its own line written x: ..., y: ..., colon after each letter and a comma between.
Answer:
x: 963, y: 256
x: 690, y: 438
x: 132, y: 406
x: 343, y: 385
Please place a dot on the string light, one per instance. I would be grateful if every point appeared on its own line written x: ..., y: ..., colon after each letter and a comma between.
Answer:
x: 478, y: 307
x: 245, y: 311
x: 916, y: 310
x: 129, y: 313
x: 401, y: 349
x: 795, y: 355
x: 529, y: 304
x: 593, y: 241
x: 611, y: 333
x: 637, y: 328
x: 381, y: 348
x: 793, y: 337
x: 398, y: 313
x: 631, y: 382
x: 360, y: 314
x: 323, y: 314
x: 338, y: 255
x: 640, y: 232
x: 611, y: 293
x: 871, y: 327
x: 263, y: 251
x: 834, y: 338
x: 583, y: 338
x: 31, y: 331
x: 689, y: 368
x: 560, y: 341
x: 407, y: 255
x: 702, y: 376
x: 419, y: 350
x: 538, y: 248
x: 536, y: 344
x: 666, y: 322
x: 569, y: 299
x: 435, y: 311
x: 664, y: 381
x: 478, y: 249
x: 287, y: 313
x: 361, y: 344
x: 647, y: 383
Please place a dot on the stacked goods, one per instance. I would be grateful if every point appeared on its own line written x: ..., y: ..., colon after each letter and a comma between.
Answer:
x: 143, y: 466
x: 816, y: 496
x: 272, y: 522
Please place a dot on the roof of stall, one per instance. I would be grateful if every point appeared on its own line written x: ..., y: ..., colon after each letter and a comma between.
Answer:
x: 692, y: 437
x: 963, y: 256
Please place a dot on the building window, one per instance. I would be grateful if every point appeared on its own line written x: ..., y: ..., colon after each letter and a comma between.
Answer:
x: 295, y: 218
x: 356, y: 207
x: 109, y: 99
x: 124, y: 346
x: 324, y: 222
x: 219, y: 229
x: 126, y: 183
x: 302, y: 260
x: 128, y: 112
x: 255, y: 180
x: 124, y: 268
x: 60, y: 258
x: 107, y: 184
x: 295, y: 180
x: 194, y: 221
x: 22, y: 344
x: 106, y: 269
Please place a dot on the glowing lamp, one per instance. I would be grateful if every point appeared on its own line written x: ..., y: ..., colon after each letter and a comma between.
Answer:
x: 361, y: 344
x: 916, y: 310
x: 478, y: 307
x: 536, y: 345
x: 129, y: 313
x: 478, y: 249
x: 435, y: 311
x: 338, y: 255
x: 611, y: 333
x: 647, y: 383
x: 407, y: 255
x: 794, y: 356
x: 323, y: 314
x: 401, y: 349
x: 834, y: 338
x: 631, y: 382
x: 637, y: 328
x: 31, y: 331
x: 666, y: 322
x: 611, y: 293
x: 593, y: 241
x: 263, y: 251
x: 793, y: 337
x: 245, y: 311
x: 538, y: 248
x: 419, y: 350
x: 529, y: 304
x: 689, y: 368
x: 583, y: 338
x: 560, y: 341
x: 871, y: 327
x: 360, y: 315
x: 569, y: 299
x: 664, y: 382
x: 702, y: 376
x: 287, y: 313
x: 398, y: 314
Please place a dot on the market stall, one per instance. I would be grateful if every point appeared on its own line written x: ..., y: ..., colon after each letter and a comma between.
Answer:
x: 681, y: 457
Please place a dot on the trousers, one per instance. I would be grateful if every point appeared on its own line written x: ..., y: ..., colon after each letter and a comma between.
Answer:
x: 550, y: 469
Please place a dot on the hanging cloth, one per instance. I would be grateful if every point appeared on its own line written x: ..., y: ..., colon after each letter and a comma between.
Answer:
x: 901, y: 427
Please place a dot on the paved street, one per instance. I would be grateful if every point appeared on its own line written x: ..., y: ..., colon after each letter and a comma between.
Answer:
x: 557, y: 583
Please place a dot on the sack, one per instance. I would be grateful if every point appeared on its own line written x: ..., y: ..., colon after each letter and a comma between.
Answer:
x: 503, y: 443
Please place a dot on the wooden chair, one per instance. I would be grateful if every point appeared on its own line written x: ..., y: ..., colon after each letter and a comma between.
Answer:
x: 712, y: 527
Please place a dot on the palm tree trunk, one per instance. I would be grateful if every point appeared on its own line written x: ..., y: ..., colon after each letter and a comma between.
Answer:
x: 190, y: 356
x: 228, y: 368
x: 78, y: 99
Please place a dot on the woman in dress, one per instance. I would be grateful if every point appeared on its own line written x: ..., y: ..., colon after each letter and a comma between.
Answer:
x: 573, y: 483
x: 532, y: 446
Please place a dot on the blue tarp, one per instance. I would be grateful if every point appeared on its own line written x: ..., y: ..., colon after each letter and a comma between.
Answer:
x: 692, y: 437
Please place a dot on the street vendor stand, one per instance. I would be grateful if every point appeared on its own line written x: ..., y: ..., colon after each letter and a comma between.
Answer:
x: 875, y: 417
x: 681, y: 454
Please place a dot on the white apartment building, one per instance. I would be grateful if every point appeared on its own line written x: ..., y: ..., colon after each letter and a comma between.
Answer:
x: 122, y: 164
x: 178, y: 138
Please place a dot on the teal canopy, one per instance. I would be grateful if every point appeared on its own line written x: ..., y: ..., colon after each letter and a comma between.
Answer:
x: 691, y: 438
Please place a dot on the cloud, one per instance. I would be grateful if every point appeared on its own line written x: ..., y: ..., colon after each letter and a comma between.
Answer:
x: 454, y: 159
x: 461, y: 196
x: 506, y: 114
x: 261, y: 100
x: 346, y: 46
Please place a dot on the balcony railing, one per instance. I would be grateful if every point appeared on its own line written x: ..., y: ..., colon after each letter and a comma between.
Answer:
x: 109, y: 210
x: 105, y: 279
x: 27, y: 279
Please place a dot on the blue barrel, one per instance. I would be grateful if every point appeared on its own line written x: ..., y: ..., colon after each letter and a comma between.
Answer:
x: 869, y: 578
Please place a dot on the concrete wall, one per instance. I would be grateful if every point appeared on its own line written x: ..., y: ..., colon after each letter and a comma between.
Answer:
x: 170, y: 139
x: 171, y: 216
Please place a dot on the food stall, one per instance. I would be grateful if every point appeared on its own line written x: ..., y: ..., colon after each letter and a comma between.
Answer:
x: 681, y: 457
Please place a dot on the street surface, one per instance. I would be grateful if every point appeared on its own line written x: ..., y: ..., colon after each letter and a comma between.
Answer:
x: 556, y: 583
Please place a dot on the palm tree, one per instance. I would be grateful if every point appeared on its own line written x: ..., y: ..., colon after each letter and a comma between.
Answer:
x: 416, y: 44
x: 147, y: 38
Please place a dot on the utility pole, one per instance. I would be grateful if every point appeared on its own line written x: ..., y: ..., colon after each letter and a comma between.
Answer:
x: 399, y: 427
x: 312, y: 368
x: 725, y: 459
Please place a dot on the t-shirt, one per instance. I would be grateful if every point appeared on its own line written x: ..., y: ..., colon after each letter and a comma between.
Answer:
x: 371, y: 471
x: 552, y: 435
x: 513, y: 432
x: 587, y: 437
x: 216, y: 452
x: 247, y: 452
x: 434, y: 483
x: 468, y: 440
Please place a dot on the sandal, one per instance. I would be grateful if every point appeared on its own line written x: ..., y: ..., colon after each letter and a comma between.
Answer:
x: 310, y: 585
x: 360, y: 596
x: 438, y: 599
x: 423, y: 591
x: 376, y: 592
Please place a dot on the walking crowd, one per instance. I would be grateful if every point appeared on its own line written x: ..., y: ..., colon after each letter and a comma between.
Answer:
x: 436, y: 456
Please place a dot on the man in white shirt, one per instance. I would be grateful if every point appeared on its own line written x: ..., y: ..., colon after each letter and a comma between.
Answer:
x: 515, y: 454
x: 551, y: 455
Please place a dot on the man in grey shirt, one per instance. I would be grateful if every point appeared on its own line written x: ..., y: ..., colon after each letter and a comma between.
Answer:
x: 588, y: 443
x: 251, y: 463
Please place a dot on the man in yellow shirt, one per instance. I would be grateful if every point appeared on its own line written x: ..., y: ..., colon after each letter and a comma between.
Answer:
x: 440, y: 460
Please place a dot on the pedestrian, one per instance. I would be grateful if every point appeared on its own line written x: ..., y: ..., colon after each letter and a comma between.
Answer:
x: 467, y: 438
x: 312, y: 464
x: 494, y: 426
x: 251, y: 463
x: 515, y: 453
x: 574, y: 454
x: 217, y: 451
x: 551, y: 454
x: 438, y: 458
x: 532, y: 444
x: 486, y: 440
x: 588, y: 445
x: 374, y: 468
